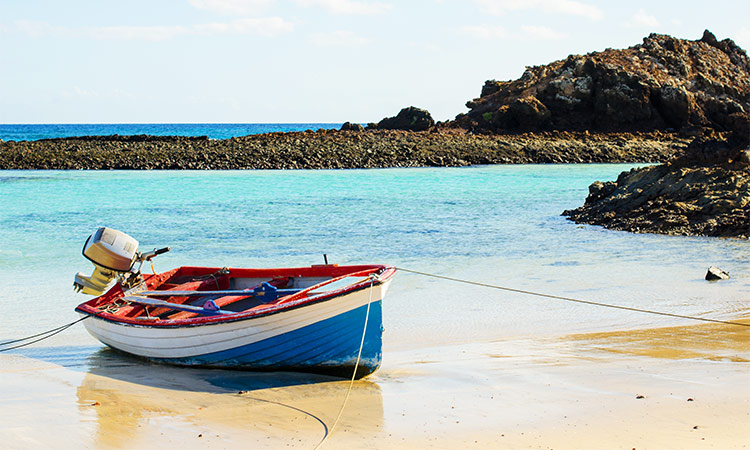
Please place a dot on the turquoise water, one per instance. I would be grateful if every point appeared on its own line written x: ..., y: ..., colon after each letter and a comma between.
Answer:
x: 494, y: 224
x: 33, y: 132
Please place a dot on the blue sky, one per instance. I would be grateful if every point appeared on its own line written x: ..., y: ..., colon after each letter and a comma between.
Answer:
x: 304, y: 60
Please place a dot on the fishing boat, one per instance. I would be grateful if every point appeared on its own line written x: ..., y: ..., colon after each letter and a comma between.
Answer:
x: 323, y: 318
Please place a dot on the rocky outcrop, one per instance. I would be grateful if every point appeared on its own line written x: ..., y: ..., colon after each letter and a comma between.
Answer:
x: 332, y: 149
x: 715, y: 274
x: 348, y: 126
x: 660, y: 84
x: 705, y: 191
x: 408, y: 119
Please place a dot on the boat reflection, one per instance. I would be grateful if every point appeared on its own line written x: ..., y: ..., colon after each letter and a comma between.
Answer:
x: 134, y: 401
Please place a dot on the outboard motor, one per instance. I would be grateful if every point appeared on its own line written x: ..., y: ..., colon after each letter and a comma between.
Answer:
x: 113, y: 254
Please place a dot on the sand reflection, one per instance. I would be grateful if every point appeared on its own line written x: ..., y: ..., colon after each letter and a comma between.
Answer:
x: 716, y: 342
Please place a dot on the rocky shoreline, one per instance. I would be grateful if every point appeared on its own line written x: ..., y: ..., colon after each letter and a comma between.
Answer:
x: 703, y: 192
x: 334, y: 149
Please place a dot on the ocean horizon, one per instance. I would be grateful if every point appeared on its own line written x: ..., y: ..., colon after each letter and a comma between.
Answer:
x: 35, y: 132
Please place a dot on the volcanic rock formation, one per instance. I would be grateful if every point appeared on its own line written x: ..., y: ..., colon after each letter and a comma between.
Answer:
x: 662, y: 83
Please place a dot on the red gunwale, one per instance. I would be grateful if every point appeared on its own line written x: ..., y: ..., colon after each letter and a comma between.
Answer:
x: 155, y: 280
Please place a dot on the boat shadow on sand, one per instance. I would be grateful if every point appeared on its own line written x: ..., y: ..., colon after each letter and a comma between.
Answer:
x: 121, y: 366
x: 123, y: 394
x: 110, y: 363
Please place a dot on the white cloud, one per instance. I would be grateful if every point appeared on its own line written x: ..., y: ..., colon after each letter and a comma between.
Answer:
x: 338, y: 39
x: 483, y: 31
x: 242, y: 7
x: 264, y: 26
x: 643, y: 19
x: 129, y: 33
x: 569, y: 7
x: 85, y: 92
x: 348, y: 6
x: 34, y: 28
x: 541, y: 33
x: 78, y: 92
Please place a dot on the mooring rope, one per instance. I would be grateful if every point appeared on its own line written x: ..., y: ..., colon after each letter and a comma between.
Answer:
x: 48, y: 333
x: 356, y: 366
x: 575, y: 300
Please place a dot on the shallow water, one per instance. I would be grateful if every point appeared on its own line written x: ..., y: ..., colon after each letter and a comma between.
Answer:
x: 493, y: 224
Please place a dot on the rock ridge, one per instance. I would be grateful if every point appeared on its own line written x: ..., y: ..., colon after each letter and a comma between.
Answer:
x: 333, y: 149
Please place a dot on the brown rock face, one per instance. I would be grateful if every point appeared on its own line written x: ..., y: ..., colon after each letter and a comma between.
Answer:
x: 663, y: 83
x: 705, y: 191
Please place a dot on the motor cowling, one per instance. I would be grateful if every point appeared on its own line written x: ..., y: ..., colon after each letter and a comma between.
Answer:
x: 113, y: 253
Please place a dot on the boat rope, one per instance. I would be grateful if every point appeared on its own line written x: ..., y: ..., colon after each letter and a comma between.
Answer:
x: 575, y: 300
x: 356, y: 366
x: 45, y: 335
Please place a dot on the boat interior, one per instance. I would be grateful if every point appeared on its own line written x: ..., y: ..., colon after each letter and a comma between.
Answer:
x: 192, y: 292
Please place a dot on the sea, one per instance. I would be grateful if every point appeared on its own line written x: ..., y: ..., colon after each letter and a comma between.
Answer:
x: 498, y: 225
x: 34, y: 132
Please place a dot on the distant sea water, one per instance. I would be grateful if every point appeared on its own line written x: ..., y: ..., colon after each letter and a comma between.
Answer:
x: 33, y: 132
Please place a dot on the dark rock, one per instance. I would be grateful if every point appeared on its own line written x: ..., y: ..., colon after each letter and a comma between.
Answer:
x: 409, y: 119
x: 714, y: 273
x: 529, y: 113
x: 675, y: 104
x: 744, y: 158
x: 708, y: 148
x: 710, y: 39
x: 490, y: 87
x: 705, y: 191
x: 348, y: 126
x: 599, y: 190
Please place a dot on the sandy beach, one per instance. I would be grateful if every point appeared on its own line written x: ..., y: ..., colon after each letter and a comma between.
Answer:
x: 661, y: 388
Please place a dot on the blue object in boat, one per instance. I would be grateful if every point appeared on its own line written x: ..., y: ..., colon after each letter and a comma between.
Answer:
x: 266, y: 291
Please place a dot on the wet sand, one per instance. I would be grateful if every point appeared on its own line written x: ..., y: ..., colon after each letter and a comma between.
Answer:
x: 678, y: 387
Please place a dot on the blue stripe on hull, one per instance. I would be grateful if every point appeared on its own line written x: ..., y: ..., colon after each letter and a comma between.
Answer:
x: 329, y: 346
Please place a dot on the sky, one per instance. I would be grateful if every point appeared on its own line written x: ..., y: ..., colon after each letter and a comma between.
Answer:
x: 309, y: 61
